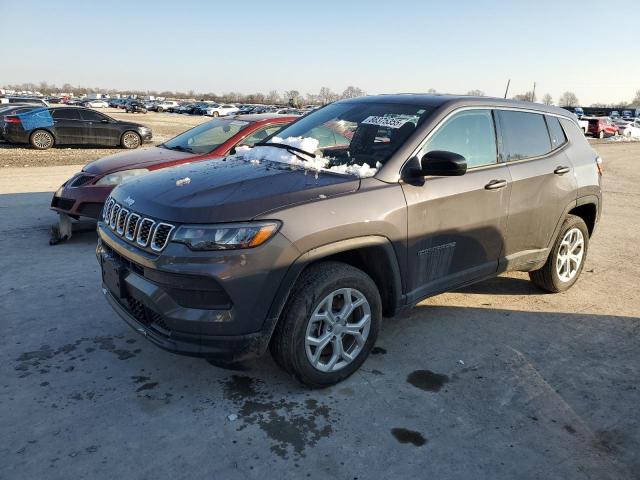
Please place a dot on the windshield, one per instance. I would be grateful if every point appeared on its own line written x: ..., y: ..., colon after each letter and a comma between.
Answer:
x: 352, y: 138
x: 206, y: 137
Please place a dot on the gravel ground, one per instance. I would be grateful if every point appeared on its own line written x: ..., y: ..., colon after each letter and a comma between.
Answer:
x: 163, y: 125
x: 497, y: 381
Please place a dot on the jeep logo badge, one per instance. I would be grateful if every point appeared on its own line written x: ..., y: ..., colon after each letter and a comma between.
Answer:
x: 129, y: 201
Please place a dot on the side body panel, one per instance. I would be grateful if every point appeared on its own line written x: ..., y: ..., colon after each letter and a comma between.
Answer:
x: 456, y: 229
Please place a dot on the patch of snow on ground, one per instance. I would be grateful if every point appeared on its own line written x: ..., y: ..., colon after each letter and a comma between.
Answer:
x: 308, y: 144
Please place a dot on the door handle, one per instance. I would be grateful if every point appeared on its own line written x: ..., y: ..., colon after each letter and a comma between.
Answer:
x: 495, y: 184
x: 561, y: 170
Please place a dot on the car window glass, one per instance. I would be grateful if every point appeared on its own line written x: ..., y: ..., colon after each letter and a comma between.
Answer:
x: 207, y: 136
x: 260, y: 135
x: 524, y: 135
x: 558, y: 137
x: 91, y: 116
x: 470, y: 134
x: 66, y: 114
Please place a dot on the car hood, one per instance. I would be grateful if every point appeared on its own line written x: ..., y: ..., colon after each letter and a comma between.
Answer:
x: 227, y: 190
x: 134, y: 159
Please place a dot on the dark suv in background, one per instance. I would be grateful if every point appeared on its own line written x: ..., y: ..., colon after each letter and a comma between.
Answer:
x: 356, y: 211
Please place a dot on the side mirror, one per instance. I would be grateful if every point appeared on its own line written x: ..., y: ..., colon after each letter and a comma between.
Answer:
x: 444, y: 164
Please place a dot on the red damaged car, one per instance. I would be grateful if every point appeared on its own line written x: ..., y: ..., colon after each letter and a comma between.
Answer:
x: 83, y: 195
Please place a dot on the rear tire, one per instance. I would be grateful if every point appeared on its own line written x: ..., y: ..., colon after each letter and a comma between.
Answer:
x: 318, y: 312
x: 41, y: 140
x: 215, y: 114
x: 566, y: 259
x: 601, y: 134
x: 130, y: 140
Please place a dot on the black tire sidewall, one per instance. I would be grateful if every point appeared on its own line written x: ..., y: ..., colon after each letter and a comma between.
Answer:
x: 569, y: 223
x: 303, y: 305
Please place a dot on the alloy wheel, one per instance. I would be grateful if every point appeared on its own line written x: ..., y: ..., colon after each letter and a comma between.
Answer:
x: 131, y: 140
x: 42, y: 140
x: 570, y: 255
x: 338, y: 330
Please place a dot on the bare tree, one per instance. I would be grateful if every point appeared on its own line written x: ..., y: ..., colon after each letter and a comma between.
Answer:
x: 547, y: 99
x: 292, y: 97
x: 353, y: 92
x: 568, y: 99
x: 273, y: 97
x: 432, y: 90
x: 636, y: 101
x: 326, y: 95
x: 475, y: 93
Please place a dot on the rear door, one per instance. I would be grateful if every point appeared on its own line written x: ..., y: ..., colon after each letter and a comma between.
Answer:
x: 543, y: 183
x: 69, y: 127
x: 456, y: 224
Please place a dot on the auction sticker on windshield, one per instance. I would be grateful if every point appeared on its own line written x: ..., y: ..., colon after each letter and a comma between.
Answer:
x: 390, y: 122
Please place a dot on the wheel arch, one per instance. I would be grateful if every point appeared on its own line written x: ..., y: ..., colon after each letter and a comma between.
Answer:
x: 587, y: 209
x: 372, y: 254
x: 48, y: 130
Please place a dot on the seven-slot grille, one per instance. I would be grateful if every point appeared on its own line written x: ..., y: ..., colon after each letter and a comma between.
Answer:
x: 142, y: 231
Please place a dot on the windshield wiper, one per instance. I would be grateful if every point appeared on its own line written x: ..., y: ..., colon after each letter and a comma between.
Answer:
x: 292, y: 150
x: 179, y: 148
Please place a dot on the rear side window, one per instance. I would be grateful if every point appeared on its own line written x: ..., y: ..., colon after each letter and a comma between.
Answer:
x: 469, y: 133
x: 558, y: 138
x: 524, y: 135
x: 66, y: 114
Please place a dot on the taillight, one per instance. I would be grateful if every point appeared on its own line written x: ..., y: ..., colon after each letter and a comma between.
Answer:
x: 599, y: 165
x: 12, y: 119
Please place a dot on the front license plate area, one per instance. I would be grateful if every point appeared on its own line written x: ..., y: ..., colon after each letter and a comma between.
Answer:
x: 113, y: 276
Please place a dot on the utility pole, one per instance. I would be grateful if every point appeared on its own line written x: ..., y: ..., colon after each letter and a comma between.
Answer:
x: 507, y: 89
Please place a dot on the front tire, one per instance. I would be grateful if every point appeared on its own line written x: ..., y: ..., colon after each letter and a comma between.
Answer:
x: 215, y: 114
x: 601, y: 134
x: 130, y: 140
x: 41, y: 140
x: 329, y: 324
x: 566, y: 259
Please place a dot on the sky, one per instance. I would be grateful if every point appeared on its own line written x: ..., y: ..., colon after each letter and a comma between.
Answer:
x: 386, y: 46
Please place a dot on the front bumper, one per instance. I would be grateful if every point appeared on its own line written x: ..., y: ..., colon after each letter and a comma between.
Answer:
x: 212, y: 304
x: 82, y: 201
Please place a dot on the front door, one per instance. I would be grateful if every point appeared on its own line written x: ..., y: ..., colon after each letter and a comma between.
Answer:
x: 456, y: 225
x: 98, y: 129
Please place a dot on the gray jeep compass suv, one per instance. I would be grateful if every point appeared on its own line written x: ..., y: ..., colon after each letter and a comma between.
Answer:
x: 356, y: 211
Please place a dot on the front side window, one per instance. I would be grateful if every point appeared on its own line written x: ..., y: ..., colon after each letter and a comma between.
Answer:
x: 92, y: 116
x: 206, y: 137
x: 524, y: 135
x: 469, y: 133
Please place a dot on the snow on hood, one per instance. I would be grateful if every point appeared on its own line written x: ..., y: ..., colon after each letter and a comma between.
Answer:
x: 308, y: 144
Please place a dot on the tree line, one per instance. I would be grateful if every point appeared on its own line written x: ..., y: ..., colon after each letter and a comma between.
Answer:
x: 294, y: 97
x: 273, y: 97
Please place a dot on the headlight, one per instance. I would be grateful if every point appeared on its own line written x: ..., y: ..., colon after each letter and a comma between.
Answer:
x: 226, y: 236
x: 116, y: 178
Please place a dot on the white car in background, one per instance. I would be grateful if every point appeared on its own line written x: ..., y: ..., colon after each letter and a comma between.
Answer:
x: 97, y: 104
x: 162, y: 106
x: 221, y: 110
x: 633, y: 129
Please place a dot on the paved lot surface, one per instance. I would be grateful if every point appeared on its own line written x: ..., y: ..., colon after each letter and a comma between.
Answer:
x: 498, y: 381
